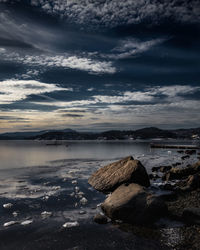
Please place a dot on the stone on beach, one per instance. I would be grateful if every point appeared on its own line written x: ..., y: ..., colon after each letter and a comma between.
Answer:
x: 133, y: 204
x: 26, y: 222
x: 7, y: 205
x: 15, y: 214
x: 100, y: 219
x: 71, y: 224
x: 83, y: 201
x: 127, y: 170
x: 46, y: 214
x: 82, y: 212
x: 10, y: 223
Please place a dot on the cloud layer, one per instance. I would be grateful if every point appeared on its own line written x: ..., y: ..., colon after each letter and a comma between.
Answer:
x: 112, y: 13
x: 16, y: 90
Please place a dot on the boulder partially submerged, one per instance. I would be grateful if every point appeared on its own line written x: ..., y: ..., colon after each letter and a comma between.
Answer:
x: 133, y: 204
x: 127, y: 170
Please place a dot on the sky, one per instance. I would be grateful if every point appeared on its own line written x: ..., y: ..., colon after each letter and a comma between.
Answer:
x: 96, y: 65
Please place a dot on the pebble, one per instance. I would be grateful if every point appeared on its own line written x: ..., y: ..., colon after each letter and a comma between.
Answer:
x: 83, y: 201
x: 77, y: 189
x: 45, y: 198
x: 72, y: 194
x: 10, y: 223
x: 71, y: 224
x: 46, y: 214
x: 56, y: 187
x: 74, y: 182
x: 26, y: 222
x: 7, y: 205
x: 82, y: 212
x: 15, y: 214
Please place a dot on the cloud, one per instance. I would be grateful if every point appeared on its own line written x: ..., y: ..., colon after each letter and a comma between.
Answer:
x: 127, y: 96
x: 156, y: 95
x: 14, y: 118
x: 175, y: 90
x: 73, y: 115
x: 112, y: 13
x: 64, y: 61
x: 17, y: 90
x: 132, y: 47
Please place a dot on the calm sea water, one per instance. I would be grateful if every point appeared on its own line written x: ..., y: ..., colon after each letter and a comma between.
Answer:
x: 14, y: 154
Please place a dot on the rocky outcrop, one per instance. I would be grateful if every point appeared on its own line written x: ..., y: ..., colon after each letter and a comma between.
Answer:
x: 191, y: 215
x: 179, y: 173
x: 133, y: 204
x: 127, y: 170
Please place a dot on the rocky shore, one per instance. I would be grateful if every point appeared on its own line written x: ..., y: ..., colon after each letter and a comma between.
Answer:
x: 131, y: 199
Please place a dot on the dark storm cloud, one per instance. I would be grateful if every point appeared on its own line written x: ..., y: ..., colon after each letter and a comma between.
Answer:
x: 72, y: 115
x: 140, y: 67
x: 114, y: 13
x: 12, y: 118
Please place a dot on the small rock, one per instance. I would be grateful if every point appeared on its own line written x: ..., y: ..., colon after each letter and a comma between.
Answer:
x: 7, y: 205
x: 10, y: 223
x: 74, y: 182
x: 77, y: 189
x: 190, y: 152
x: 56, y: 187
x: 82, y: 212
x: 185, y: 157
x: 72, y: 194
x: 153, y: 176
x: 155, y: 169
x: 100, y: 219
x: 71, y: 224
x: 83, y: 201
x: 176, y: 164
x: 46, y: 214
x: 164, y: 169
x: 15, y: 214
x: 26, y: 222
x: 46, y: 197
x: 193, y: 181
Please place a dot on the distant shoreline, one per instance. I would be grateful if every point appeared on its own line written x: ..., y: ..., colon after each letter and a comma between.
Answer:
x: 69, y: 134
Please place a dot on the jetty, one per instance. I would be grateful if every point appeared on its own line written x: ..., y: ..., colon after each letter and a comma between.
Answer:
x: 152, y: 145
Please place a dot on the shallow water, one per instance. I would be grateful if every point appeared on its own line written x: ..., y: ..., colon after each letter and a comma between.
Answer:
x: 46, y: 186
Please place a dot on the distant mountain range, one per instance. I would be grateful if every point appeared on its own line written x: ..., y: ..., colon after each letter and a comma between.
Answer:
x: 69, y: 134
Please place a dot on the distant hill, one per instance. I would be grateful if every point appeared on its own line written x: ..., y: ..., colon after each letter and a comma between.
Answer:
x: 28, y: 135
x: 69, y: 134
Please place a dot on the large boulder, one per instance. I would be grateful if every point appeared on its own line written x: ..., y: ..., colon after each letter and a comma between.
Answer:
x: 127, y: 170
x: 133, y: 204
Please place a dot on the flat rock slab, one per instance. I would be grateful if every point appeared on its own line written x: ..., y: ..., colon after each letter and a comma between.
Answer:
x: 133, y: 204
x: 127, y: 170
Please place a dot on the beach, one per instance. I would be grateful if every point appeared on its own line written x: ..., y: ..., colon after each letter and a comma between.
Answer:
x: 52, y: 205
